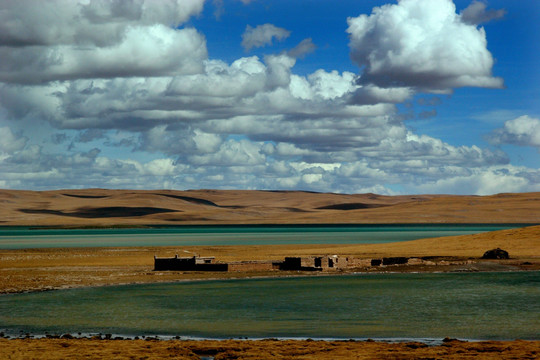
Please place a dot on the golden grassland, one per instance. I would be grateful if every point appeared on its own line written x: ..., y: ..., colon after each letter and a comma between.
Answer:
x: 262, y: 349
x: 100, y: 207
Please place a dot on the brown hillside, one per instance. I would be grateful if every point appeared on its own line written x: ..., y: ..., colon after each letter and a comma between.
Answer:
x: 100, y: 207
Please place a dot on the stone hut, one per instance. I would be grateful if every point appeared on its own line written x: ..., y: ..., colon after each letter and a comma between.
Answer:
x: 497, y: 253
x: 253, y: 266
x: 194, y: 263
x: 314, y: 263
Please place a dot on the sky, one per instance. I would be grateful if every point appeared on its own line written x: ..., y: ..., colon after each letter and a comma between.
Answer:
x: 388, y: 97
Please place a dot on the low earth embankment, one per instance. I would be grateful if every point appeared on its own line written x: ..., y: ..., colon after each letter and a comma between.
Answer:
x: 100, y: 207
x: 46, y: 269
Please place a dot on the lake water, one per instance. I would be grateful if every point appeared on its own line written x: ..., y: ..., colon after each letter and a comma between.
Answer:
x: 388, y: 306
x: 19, y: 238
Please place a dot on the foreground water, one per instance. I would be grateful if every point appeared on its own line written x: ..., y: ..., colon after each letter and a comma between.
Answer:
x: 418, y: 306
x: 20, y: 238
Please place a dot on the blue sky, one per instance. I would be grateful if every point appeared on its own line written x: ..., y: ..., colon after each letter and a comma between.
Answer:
x: 411, y: 96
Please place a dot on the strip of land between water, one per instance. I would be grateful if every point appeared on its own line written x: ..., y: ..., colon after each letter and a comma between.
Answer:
x: 26, y: 270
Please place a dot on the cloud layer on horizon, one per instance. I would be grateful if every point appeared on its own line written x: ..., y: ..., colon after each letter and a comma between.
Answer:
x: 145, y: 87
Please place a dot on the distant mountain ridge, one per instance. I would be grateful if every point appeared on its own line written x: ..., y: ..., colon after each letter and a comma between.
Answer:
x: 103, y: 207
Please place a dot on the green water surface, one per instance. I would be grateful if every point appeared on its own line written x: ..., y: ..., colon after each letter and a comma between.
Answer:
x: 20, y: 238
x: 419, y: 306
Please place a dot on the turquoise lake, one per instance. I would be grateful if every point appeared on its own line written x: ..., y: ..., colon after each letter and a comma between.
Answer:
x: 385, y: 306
x: 19, y: 238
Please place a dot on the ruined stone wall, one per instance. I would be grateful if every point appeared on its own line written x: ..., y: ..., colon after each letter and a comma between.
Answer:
x: 341, y: 262
x: 175, y: 263
x: 186, y: 264
x: 357, y: 262
x: 331, y: 263
x: 307, y: 261
x: 251, y: 266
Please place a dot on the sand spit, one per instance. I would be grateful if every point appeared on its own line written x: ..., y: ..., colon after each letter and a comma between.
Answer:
x: 262, y: 349
x: 47, y: 269
x: 100, y: 207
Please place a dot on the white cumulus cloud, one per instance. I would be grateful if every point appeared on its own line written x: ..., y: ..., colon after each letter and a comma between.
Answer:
x: 128, y: 97
x: 522, y: 131
x: 10, y: 142
x: 485, y: 181
x: 98, y: 23
x: 262, y: 35
x: 43, y: 41
x: 305, y: 47
x: 422, y: 44
x: 143, y: 51
x: 477, y: 13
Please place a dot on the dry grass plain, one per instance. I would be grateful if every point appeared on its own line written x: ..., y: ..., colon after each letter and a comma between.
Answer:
x: 100, y: 207
x: 47, y: 269
x: 262, y: 350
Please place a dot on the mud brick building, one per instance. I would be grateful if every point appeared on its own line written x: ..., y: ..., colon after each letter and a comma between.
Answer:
x: 314, y: 263
x: 194, y: 263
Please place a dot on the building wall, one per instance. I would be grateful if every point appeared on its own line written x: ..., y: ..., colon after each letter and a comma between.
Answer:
x: 251, y: 266
x: 314, y: 263
x: 306, y: 263
x: 186, y: 264
x: 175, y: 263
x: 394, y: 260
x: 356, y: 262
